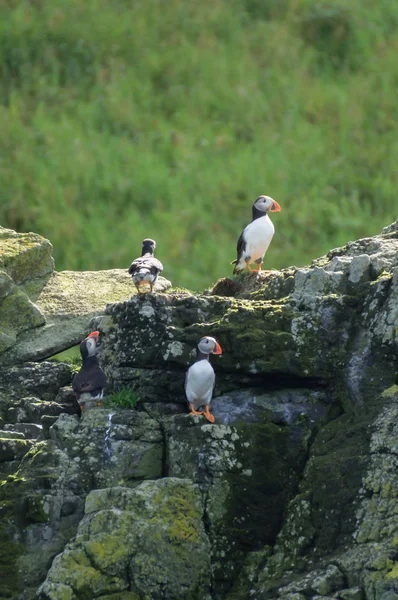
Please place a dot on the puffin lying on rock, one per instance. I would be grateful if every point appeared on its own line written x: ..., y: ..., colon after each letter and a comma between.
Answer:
x: 200, y: 378
x: 145, y: 269
x: 90, y: 381
x: 254, y: 240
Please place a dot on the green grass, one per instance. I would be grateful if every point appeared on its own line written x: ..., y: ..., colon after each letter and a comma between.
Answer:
x: 71, y: 356
x: 131, y: 119
x: 124, y: 398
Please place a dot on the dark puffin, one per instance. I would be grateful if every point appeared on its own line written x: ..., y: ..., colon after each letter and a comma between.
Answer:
x: 254, y: 240
x: 89, y: 383
x: 200, y: 378
x: 145, y: 269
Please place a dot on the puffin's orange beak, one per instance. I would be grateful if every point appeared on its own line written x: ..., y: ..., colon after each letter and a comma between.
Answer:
x: 94, y: 334
x: 275, y: 207
x: 218, y: 349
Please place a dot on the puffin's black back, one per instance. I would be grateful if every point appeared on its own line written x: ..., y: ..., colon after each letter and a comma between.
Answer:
x: 90, y: 377
x: 148, y: 261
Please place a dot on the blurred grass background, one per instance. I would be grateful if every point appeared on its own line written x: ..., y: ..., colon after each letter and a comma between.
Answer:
x: 129, y: 119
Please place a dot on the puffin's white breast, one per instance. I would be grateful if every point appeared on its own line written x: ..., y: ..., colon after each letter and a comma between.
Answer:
x: 200, y: 382
x: 258, y: 235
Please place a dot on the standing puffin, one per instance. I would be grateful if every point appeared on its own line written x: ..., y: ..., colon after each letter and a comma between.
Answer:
x: 145, y: 269
x: 200, y: 378
x: 90, y: 381
x: 254, y: 240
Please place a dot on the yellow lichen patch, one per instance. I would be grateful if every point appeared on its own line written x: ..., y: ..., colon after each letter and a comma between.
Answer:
x: 85, y: 292
x: 24, y: 255
x: 106, y: 553
x: 390, y: 392
x: 393, y: 574
x: 180, y: 514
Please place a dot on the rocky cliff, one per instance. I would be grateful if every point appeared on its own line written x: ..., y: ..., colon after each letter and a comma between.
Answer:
x: 291, y: 494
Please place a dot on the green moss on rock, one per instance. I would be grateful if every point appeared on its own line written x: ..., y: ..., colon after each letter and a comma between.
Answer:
x: 139, y: 541
x: 17, y: 314
x: 25, y: 255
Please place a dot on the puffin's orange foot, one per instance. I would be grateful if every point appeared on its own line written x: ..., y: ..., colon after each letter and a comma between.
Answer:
x: 208, y: 415
x: 99, y: 403
x: 81, y: 408
x: 193, y: 411
x: 250, y: 269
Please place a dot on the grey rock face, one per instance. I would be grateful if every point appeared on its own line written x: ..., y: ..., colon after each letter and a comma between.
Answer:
x: 25, y: 260
x: 339, y: 320
x: 43, y: 312
x: 149, y: 540
x: 113, y: 447
x: 291, y: 494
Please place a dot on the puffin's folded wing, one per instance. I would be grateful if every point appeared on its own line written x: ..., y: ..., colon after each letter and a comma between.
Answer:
x: 241, y: 244
x: 154, y: 265
x: 94, y: 379
x: 135, y: 265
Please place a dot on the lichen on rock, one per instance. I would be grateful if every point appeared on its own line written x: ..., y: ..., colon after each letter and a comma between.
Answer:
x: 149, y: 541
x: 290, y: 495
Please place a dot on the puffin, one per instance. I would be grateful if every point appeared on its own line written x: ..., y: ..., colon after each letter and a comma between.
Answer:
x: 145, y: 269
x: 254, y: 240
x: 89, y: 383
x: 200, y: 378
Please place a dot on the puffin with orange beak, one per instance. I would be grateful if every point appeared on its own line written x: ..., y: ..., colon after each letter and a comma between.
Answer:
x: 254, y: 240
x: 200, y: 378
x: 90, y: 381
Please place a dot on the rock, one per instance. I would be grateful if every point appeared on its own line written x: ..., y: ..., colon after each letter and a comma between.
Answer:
x: 34, y: 525
x: 18, y: 314
x: 355, y: 593
x: 286, y: 406
x: 25, y: 259
x: 312, y: 333
x: 47, y: 422
x: 66, y: 395
x: 31, y: 410
x: 43, y: 312
x: 40, y: 379
x: 328, y: 582
x: 26, y: 430
x: 115, y: 447
x: 318, y: 584
x: 13, y: 448
x: 69, y: 301
x: 293, y: 488
x: 25, y: 256
x: 139, y: 540
x: 246, y: 474
x: 11, y: 435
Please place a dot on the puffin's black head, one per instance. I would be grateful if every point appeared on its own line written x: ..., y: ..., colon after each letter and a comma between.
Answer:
x: 208, y: 345
x: 266, y: 204
x: 148, y: 245
x: 88, y: 346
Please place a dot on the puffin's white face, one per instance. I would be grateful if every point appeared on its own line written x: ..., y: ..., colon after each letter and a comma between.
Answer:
x: 266, y: 204
x: 91, y: 343
x: 208, y: 345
